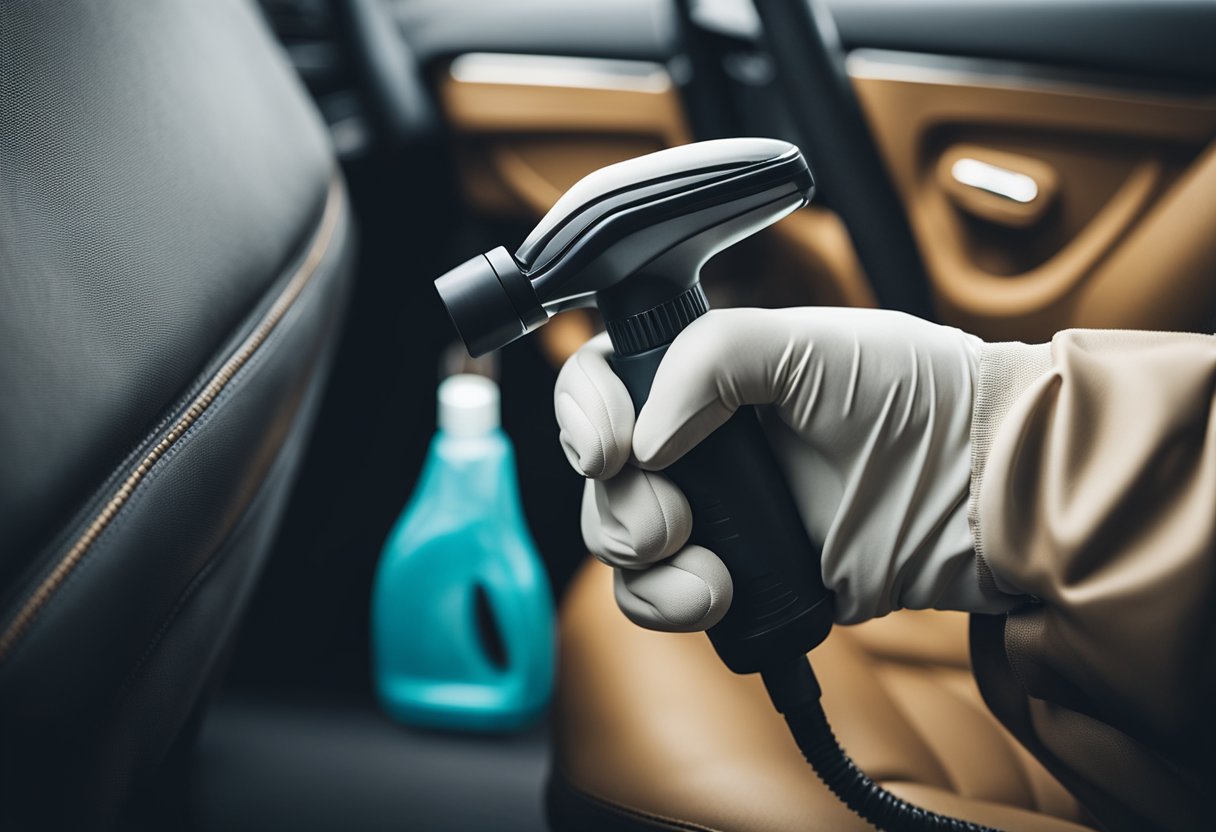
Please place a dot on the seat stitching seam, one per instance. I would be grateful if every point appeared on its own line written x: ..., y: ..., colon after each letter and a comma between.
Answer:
x: 199, y: 577
x: 198, y: 408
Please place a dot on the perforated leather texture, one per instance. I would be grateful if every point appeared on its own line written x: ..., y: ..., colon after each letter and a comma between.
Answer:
x: 174, y: 255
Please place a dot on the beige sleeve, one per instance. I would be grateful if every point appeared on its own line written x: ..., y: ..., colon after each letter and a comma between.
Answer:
x: 1094, y: 493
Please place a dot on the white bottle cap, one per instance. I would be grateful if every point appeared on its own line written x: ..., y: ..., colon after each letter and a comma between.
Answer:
x: 468, y: 405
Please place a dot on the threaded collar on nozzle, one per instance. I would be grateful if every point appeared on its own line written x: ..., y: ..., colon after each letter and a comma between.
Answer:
x: 659, y: 325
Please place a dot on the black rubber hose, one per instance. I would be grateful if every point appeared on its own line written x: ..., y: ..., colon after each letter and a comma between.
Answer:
x: 795, y: 692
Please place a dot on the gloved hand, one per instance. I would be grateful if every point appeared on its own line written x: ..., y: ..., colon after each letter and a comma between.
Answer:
x: 870, y: 418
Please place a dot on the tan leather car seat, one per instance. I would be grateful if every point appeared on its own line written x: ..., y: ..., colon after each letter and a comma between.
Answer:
x: 653, y: 732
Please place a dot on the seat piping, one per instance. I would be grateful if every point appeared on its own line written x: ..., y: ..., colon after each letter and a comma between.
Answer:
x: 37, y: 600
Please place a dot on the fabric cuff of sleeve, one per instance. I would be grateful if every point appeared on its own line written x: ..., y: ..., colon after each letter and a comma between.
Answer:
x: 1006, y: 371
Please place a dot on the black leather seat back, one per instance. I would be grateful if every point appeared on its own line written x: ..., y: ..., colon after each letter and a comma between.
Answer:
x: 174, y: 251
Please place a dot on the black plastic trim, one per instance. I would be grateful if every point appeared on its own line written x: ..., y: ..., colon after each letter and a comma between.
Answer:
x: 1170, y: 40
x: 834, y: 135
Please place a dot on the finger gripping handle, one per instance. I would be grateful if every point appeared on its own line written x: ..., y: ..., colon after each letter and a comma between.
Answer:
x: 743, y: 512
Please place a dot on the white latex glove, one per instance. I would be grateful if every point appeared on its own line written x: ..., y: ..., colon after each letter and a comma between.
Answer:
x: 870, y: 419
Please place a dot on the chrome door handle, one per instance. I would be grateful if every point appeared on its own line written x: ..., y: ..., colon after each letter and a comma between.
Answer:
x: 996, y: 180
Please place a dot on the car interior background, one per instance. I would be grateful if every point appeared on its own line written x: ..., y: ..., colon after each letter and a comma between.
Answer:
x: 1009, y: 167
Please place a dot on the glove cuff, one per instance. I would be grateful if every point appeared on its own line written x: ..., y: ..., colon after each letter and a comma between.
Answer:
x: 1006, y: 371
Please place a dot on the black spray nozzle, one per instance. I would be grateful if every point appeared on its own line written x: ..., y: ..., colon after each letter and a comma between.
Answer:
x: 491, y: 301
x: 627, y: 238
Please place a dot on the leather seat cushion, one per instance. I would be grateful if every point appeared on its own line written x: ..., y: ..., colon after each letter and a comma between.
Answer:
x: 654, y: 732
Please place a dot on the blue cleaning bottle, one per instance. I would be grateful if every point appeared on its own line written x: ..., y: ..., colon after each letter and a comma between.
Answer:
x: 462, y: 615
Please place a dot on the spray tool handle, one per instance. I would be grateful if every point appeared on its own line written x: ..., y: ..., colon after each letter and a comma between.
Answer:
x: 743, y: 512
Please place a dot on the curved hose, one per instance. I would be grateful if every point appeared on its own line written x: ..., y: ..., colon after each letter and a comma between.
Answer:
x: 795, y: 691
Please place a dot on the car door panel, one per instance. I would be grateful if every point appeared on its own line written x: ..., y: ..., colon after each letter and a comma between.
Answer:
x: 1116, y: 159
x: 1111, y: 123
